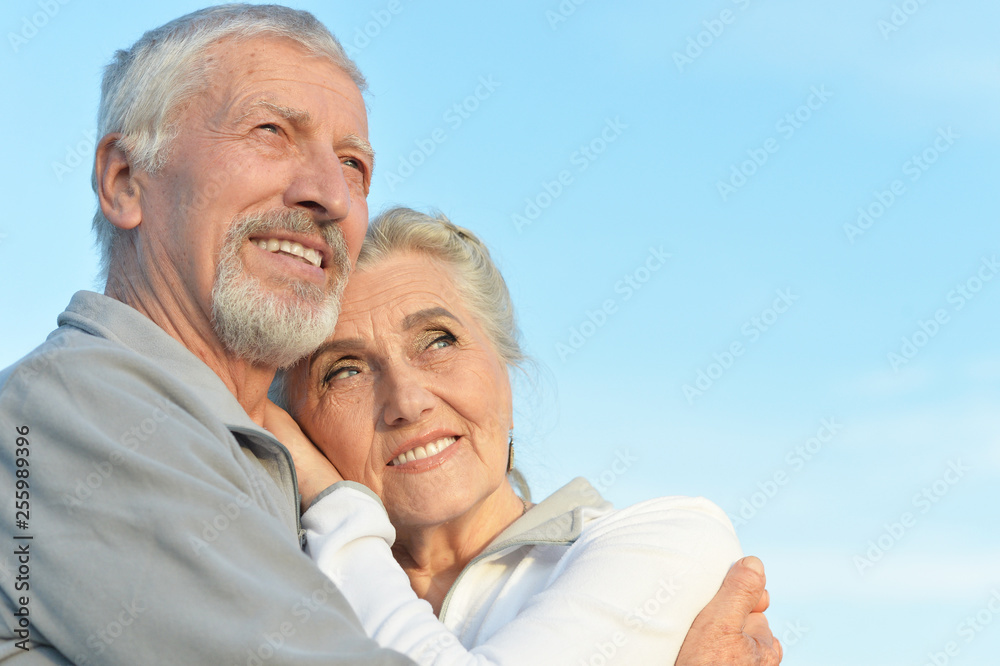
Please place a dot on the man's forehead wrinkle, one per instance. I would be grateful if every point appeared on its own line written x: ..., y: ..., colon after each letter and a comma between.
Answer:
x: 288, y: 113
x: 299, y: 116
x: 255, y: 77
x: 246, y: 108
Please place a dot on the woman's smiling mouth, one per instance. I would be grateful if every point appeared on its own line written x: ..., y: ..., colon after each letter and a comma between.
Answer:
x: 425, y: 451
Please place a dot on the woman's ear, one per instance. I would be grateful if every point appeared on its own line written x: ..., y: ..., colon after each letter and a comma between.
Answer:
x: 118, y: 198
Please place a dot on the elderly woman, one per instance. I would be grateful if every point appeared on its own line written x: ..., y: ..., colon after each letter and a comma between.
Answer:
x: 411, y: 401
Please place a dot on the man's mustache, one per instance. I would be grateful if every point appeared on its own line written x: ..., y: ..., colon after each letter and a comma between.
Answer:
x: 294, y: 221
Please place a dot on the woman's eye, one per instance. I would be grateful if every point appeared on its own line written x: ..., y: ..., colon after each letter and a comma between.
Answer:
x: 440, y: 342
x: 341, y: 373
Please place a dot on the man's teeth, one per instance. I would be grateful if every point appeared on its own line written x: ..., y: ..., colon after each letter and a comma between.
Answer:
x: 307, y: 254
x: 425, y: 451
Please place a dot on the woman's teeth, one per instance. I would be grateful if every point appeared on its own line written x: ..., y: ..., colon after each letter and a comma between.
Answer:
x: 425, y: 451
x: 306, y: 254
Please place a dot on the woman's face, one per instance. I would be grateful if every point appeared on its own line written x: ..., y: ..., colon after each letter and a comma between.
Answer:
x: 408, y: 396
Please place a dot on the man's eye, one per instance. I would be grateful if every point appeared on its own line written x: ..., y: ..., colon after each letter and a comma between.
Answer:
x: 269, y: 127
x: 353, y: 163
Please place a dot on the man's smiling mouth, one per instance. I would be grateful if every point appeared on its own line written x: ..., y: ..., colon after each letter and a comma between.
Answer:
x: 290, y: 248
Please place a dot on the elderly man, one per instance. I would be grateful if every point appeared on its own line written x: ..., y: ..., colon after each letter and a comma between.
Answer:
x: 155, y: 520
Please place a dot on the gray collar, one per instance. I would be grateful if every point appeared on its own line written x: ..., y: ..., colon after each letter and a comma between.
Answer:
x: 556, y: 519
x: 108, y: 318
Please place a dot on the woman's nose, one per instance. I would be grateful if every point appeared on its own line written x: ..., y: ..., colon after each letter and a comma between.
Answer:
x: 407, y: 396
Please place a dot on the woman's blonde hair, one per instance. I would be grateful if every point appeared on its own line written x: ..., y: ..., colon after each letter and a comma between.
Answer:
x: 479, y: 282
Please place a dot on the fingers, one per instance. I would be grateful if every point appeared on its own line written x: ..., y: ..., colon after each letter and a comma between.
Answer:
x: 756, y: 627
x: 732, y: 628
x: 768, y: 646
x: 756, y: 566
x: 762, y: 603
x: 742, y: 592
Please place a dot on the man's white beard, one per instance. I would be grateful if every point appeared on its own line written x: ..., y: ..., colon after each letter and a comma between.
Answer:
x: 275, y: 326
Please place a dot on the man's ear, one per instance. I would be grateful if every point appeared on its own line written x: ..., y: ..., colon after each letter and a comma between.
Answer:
x: 118, y: 197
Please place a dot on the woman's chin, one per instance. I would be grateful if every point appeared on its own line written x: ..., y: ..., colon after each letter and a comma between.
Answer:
x: 437, y: 506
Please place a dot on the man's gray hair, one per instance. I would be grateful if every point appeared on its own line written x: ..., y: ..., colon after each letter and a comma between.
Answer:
x: 146, y: 85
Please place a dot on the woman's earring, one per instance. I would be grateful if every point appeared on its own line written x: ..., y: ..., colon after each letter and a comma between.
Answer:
x: 510, y: 454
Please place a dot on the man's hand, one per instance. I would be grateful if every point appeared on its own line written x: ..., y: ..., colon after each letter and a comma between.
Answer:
x: 315, y: 473
x: 732, y: 630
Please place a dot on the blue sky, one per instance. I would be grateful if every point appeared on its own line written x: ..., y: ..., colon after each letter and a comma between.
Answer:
x: 788, y: 208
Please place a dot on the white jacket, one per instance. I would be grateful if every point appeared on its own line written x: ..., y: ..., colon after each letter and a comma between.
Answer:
x: 571, y: 582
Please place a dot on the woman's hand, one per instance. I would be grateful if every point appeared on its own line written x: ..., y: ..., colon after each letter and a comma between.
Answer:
x: 315, y: 473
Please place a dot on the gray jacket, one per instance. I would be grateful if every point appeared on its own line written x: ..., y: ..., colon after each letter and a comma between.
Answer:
x: 155, y: 523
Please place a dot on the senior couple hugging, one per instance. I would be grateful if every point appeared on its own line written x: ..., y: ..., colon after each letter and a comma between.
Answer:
x: 366, y: 510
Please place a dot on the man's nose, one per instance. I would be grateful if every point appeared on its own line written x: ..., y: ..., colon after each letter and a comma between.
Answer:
x: 320, y: 187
